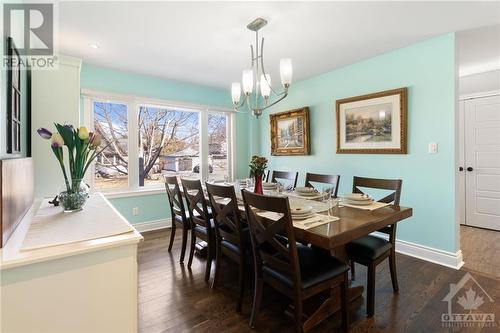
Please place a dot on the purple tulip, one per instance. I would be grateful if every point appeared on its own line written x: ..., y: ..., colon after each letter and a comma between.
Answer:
x: 44, y: 133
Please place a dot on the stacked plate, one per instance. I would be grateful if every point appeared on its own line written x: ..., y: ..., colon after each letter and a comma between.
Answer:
x: 301, y: 212
x: 269, y: 186
x: 242, y: 183
x: 306, y: 191
x: 357, y: 199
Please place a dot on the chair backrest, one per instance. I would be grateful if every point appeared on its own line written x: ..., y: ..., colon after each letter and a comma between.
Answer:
x: 332, y: 180
x: 383, y: 184
x: 227, y: 217
x: 175, y: 197
x: 197, y: 206
x: 267, y: 233
x: 284, y: 175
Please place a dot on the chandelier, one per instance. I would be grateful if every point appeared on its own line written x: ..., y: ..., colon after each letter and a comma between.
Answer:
x: 256, y: 79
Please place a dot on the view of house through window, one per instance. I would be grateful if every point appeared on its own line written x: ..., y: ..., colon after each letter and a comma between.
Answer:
x: 111, y: 167
x: 169, y: 144
x: 217, y: 146
x: 163, y: 141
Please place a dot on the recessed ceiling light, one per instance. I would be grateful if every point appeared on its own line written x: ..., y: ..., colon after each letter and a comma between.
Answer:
x: 94, y: 46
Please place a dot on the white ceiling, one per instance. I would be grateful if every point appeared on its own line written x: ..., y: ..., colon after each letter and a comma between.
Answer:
x: 208, y: 43
x: 479, y: 50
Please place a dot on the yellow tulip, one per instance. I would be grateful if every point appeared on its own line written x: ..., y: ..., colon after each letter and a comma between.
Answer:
x: 83, y: 133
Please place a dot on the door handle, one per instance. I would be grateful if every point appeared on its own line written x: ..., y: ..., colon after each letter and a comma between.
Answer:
x: 470, y: 169
x: 461, y: 169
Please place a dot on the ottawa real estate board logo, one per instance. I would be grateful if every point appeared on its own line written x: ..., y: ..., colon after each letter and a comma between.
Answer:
x: 468, y: 303
x: 29, y: 28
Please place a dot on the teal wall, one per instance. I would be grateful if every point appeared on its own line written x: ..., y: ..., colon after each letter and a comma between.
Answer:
x: 428, y: 70
x: 155, y: 207
x: 151, y: 207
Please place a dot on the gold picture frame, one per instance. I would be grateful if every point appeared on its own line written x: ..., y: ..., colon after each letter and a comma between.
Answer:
x: 290, y: 132
x: 373, y: 124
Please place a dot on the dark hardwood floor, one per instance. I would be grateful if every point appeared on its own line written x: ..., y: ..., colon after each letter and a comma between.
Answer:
x: 173, y: 298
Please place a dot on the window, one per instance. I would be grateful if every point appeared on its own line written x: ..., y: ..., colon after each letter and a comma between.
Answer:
x: 150, y: 138
x: 218, y: 146
x: 111, y: 166
x: 169, y: 144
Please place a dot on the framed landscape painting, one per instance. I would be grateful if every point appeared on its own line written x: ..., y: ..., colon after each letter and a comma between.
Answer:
x: 290, y: 132
x: 373, y: 124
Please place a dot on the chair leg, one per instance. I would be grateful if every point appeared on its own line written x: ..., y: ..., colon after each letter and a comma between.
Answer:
x: 218, y: 260
x: 184, y: 243
x: 298, y: 314
x: 344, y: 299
x: 394, y: 275
x: 353, y: 265
x: 241, y: 280
x: 172, y: 236
x: 191, y: 250
x: 210, y: 256
x: 257, y: 297
x: 370, y: 291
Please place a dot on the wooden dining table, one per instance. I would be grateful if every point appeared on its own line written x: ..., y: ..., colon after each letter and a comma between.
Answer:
x: 352, y: 223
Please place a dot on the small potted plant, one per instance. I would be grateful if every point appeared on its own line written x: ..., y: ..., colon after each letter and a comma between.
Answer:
x: 82, y: 149
x: 258, y: 165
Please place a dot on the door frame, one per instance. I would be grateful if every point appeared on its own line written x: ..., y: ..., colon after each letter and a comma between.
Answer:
x: 460, y: 175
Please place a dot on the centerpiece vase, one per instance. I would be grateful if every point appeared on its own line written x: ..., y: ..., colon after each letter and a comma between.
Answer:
x: 258, y: 185
x: 73, y: 197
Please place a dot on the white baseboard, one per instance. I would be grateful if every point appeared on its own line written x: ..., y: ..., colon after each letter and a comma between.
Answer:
x: 153, y: 225
x: 440, y: 257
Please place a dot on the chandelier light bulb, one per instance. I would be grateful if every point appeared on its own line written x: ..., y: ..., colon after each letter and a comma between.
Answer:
x: 247, y: 81
x: 265, y: 85
x: 286, y: 71
x: 236, y: 92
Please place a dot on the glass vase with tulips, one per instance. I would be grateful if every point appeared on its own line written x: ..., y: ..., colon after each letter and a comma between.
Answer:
x: 82, y: 148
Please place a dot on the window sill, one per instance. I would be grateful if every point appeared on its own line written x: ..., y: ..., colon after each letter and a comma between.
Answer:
x: 134, y: 193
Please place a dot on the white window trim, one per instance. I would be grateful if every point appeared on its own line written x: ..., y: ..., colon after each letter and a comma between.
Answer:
x: 133, y: 103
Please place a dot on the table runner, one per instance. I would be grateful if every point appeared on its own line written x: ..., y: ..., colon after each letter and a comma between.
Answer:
x: 51, y: 226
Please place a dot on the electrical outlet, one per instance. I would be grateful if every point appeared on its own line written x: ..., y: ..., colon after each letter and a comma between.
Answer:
x: 135, y: 211
x: 433, y: 148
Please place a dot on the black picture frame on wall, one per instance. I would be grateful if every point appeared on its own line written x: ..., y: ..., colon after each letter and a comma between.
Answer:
x: 13, y: 99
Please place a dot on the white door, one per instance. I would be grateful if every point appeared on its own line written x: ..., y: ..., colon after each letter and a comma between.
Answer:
x: 482, y: 162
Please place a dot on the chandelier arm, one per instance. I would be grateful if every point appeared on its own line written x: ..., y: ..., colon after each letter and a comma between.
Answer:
x: 251, y: 53
x: 263, y: 70
x: 277, y: 101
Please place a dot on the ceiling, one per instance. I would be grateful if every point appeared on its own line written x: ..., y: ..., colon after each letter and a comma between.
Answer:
x: 479, y: 50
x: 208, y: 43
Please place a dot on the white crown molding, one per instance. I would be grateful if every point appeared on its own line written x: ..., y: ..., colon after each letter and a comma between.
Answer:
x: 478, y: 70
x: 153, y: 225
x: 440, y: 257
x: 479, y: 95
x: 69, y: 61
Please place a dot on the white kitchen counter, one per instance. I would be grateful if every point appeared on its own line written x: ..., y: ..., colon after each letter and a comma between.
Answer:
x: 84, y: 286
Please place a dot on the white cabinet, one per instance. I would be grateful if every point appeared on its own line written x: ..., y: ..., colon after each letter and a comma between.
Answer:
x: 87, y: 286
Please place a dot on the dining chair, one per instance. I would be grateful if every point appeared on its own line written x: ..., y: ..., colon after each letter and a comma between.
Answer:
x: 297, y: 271
x: 292, y: 176
x: 202, y: 224
x: 180, y: 218
x: 372, y: 250
x: 231, y: 233
x: 332, y: 180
